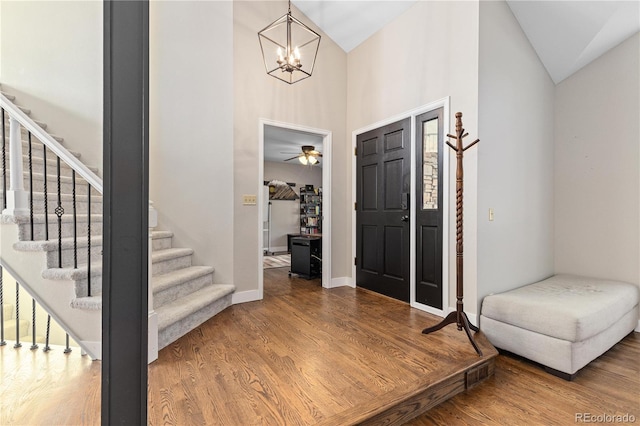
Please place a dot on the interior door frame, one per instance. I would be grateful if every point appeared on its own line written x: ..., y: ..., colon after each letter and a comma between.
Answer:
x: 326, y: 197
x: 440, y: 103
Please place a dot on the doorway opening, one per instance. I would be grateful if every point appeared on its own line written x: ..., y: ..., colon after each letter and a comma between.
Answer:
x: 294, y: 223
x: 401, y: 197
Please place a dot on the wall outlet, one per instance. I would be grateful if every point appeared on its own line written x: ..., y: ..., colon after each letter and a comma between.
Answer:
x: 490, y: 215
x: 249, y: 200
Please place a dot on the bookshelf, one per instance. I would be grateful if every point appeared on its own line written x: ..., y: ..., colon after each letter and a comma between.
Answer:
x: 310, y: 210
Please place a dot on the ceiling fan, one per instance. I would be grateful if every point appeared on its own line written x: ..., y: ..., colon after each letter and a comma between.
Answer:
x: 308, y: 156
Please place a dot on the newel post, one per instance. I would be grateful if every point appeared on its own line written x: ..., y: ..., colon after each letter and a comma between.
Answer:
x: 17, y: 202
x: 153, y: 317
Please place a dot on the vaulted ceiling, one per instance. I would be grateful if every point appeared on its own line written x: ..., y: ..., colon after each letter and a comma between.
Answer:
x: 566, y: 35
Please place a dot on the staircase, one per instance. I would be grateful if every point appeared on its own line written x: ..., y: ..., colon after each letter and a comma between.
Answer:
x: 65, y: 274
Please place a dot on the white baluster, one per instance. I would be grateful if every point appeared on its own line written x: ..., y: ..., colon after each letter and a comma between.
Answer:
x: 153, y: 317
x: 17, y: 200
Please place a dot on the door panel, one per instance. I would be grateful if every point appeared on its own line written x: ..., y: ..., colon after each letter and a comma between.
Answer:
x: 393, y: 260
x: 370, y: 187
x: 382, y: 231
x: 429, y: 178
x: 369, y: 248
x: 393, y: 181
x: 429, y: 249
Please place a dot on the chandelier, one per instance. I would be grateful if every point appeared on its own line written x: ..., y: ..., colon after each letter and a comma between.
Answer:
x: 289, y: 48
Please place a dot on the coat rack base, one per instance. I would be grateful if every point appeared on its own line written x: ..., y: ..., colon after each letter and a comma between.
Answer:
x: 462, y: 321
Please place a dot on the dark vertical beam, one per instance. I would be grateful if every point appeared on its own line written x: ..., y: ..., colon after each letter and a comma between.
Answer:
x: 126, y: 195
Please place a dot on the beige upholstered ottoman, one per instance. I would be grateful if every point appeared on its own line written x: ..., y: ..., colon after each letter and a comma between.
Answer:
x: 563, y: 322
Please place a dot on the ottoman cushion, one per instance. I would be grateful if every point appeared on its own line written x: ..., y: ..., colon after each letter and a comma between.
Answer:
x: 566, y: 307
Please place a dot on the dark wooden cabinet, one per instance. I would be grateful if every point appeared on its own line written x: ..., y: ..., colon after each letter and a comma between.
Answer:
x: 306, y: 256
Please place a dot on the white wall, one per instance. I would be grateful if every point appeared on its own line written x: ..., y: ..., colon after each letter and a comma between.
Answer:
x: 515, y: 156
x: 285, y: 214
x: 191, y: 127
x: 596, y: 167
x: 426, y: 54
x: 318, y: 102
x: 52, y: 62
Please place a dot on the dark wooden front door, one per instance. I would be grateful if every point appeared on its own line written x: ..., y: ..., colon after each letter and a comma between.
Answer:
x: 429, y: 177
x: 382, y: 209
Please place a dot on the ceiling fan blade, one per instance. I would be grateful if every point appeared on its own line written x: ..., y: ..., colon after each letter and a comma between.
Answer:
x: 292, y: 158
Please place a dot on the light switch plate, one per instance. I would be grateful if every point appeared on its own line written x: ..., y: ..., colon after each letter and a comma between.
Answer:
x: 249, y: 200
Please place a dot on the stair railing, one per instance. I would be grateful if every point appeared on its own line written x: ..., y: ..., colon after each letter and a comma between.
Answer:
x: 35, y: 307
x: 19, y: 203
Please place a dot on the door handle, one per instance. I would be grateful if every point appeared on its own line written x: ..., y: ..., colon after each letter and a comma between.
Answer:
x: 405, y: 218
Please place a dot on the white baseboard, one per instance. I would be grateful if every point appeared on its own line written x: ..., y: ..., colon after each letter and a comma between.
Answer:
x: 152, y: 330
x: 245, y: 296
x: 473, y: 318
x: 93, y: 349
x: 430, y: 309
x: 278, y: 249
x: 342, y: 282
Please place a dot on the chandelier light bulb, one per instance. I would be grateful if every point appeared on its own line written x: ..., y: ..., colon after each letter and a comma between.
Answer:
x: 303, y: 160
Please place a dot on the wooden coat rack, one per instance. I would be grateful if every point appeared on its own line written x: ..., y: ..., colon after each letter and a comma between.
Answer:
x: 459, y: 317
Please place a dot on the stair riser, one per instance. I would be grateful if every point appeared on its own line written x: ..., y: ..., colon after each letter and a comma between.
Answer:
x: 180, y: 328
x: 165, y: 266
x: 37, y: 166
x: 52, y: 185
x: 161, y: 243
x: 23, y: 131
x: 67, y: 256
x: 24, y: 230
x: 81, y: 205
x: 180, y: 290
x: 37, y: 154
x: 96, y: 286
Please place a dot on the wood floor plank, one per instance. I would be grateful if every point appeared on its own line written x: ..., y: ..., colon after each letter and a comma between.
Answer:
x: 307, y: 355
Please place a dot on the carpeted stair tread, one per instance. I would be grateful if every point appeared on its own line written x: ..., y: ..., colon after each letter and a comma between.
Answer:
x: 51, y: 163
x: 161, y: 234
x: 72, y: 274
x: 162, y: 282
x: 53, y: 177
x: 52, y: 245
x: 39, y: 218
x: 53, y: 197
x: 89, y: 303
x: 171, y: 253
x: 191, y: 303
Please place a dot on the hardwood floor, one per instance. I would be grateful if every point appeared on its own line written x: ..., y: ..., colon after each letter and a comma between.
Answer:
x: 274, y: 362
x: 306, y: 355
x: 522, y: 393
x: 52, y: 388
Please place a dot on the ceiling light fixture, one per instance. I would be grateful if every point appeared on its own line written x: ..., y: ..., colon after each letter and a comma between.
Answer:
x: 308, y: 160
x: 289, y: 48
